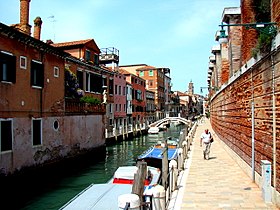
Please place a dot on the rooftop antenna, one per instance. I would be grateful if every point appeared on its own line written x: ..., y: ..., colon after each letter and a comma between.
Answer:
x: 53, y: 21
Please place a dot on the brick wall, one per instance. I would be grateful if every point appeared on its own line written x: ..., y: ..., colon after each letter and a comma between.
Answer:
x: 275, y: 16
x: 249, y: 36
x: 224, y: 72
x: 231, y: 114
x: 235, y: 44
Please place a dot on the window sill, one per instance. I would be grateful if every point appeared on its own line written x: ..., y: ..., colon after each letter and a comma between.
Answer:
x: 6, y: 82
x: 36, y: 87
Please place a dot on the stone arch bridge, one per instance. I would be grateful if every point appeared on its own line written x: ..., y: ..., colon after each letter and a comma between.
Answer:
x: 169, y: 120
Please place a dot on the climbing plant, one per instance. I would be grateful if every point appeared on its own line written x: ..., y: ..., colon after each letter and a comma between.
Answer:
x: 267, y: 33
x: 71, y: 84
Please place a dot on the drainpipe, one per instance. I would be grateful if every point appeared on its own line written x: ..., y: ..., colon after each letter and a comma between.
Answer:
x: 253, y: 142
x: 273, y: 121
x: 253, y: 129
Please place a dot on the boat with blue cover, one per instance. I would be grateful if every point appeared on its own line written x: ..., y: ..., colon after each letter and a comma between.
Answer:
x: 153, y: 156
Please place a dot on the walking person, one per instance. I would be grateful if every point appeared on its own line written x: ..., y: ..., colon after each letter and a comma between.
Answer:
x: 205, y: 141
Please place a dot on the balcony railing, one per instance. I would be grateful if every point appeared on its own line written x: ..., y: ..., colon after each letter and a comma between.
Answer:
x: 75, y: 107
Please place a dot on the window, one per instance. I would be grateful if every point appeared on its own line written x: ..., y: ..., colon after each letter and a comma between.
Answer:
x: 141, y: 74
x: 116, y: 89
x: 23, y: 62
x: 93, y: 83
x: 124, y: 91
x: 37, y: 74
x: 36, y: 132
x: 87, y: 55
x: 6, y: 135
x: 56, y: 125
x: 120, y: 90
x: 80, y: 78
x: 55, y: 71
x: 111, y: 86
x: 96, y: 59
x: 7, y: 67
x: 138, y: 94
x: 104, y: 81
x: 116, y: 107
x: 151, y: 73
x: 87, y: 81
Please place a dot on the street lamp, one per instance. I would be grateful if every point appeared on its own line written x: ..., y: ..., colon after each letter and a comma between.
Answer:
x: 268, y: 28
x: 209, y: 88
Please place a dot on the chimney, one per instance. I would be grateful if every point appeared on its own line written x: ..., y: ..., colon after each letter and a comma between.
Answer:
x: 37, y: 28
x: 24, y: 17
x: 49, y: 41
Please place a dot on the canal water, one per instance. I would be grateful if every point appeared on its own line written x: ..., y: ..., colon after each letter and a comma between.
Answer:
x: 51, y: 196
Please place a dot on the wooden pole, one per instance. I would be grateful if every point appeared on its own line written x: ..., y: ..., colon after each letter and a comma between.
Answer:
x: 164, y: 164
x: 139, y: 179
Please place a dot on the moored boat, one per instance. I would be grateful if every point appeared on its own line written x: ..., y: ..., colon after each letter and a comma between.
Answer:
x: 153, y: 130
x: 105, y: 196
x: 125, y: 175
x: 153, y: 156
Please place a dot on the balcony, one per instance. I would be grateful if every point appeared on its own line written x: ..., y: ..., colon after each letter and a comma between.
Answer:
x: 75, y: 107
x: 109, y: 55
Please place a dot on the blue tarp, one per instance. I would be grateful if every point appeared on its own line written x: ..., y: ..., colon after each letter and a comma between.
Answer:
x: 157, y: 153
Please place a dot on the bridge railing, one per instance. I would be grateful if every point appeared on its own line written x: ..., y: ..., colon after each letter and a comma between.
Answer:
x: 170, y: 119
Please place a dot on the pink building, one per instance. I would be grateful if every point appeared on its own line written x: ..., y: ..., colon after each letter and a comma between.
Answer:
x: 119, y: 101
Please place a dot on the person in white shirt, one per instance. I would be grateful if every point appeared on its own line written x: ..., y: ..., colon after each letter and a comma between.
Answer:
x: 205, y: 141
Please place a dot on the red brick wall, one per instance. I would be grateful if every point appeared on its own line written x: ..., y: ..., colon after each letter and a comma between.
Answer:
x: 225, y: 71
x: 231, y: 114
x: 275, y: 12
x: 249, y: 36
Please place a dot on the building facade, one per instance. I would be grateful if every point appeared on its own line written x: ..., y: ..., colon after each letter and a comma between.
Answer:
x: 38, y: 125
x: 245, y: 99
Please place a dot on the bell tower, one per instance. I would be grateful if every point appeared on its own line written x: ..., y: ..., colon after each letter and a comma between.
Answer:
x: 191, y: 88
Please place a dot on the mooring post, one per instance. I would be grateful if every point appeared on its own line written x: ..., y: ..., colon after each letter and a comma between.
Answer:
x: 139, y: 179
x: 164, y: 164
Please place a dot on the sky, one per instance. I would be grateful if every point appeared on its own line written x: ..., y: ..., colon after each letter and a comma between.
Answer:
x: 174, y: 34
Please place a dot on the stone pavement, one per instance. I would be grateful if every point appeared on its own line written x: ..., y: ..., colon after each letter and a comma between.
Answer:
x: 217, y: 183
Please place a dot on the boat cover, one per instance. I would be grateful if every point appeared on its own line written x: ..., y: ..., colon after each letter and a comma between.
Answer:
x: 98, y: 196
x: 156, y: 153
x: 127, y: 172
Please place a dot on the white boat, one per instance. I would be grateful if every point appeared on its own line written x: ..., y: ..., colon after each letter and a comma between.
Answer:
x: 125, y: 175
x: 98, y: 196
x: 105, y: 196
x: 153, y: 130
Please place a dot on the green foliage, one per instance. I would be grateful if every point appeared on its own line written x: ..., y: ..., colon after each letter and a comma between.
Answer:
x: 90, y: 100
x: 263, y: 44
x: 262, y: 10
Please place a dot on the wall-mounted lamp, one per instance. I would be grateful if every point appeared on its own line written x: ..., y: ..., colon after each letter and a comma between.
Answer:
x: 266, y: 28
x: 209, y: 88
x: 223, y: 36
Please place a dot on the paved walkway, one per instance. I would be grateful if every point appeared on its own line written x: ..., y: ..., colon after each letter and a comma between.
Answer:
x: 218, y: 183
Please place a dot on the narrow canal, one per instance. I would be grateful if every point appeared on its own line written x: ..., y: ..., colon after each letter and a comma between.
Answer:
x: 52, y: 196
